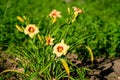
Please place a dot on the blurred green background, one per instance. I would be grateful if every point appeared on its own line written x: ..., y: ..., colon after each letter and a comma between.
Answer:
x: 101, y: 19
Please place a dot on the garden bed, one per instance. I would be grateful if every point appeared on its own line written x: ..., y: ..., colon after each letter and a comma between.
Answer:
x: 101, y: 69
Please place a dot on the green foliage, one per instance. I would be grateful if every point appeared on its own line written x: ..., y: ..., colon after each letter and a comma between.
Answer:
x: 98, y: 28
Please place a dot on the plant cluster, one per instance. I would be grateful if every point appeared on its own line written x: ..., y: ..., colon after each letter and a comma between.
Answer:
x: 40, y: 52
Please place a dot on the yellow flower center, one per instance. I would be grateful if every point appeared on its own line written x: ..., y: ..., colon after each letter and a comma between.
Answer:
x: 60, y: 48
x: 31, y: 29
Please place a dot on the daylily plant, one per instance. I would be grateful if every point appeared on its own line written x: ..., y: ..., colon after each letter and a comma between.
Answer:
x: 59, y: 49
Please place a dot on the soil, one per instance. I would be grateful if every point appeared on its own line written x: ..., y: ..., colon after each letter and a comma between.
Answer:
x: 108, y: 69
x: 101, y: 69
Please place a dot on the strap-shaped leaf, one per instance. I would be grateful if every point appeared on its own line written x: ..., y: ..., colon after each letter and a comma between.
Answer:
x: 64, y: 63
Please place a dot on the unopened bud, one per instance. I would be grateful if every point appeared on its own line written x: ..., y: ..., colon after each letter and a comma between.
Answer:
x: 20, y: 19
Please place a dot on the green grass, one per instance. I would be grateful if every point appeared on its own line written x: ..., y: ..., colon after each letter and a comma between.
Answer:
x: 98, y: 28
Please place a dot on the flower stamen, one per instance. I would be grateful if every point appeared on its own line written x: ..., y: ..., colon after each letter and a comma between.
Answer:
x: 60, y: 48
x: 31, y: 29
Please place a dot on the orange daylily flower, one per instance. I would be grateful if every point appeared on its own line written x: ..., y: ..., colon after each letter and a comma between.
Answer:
x: 49, y: 41
x: 31, y: 30
x: 77, y: 10
x: 55, y: 14
x: 60, y: 49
